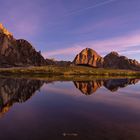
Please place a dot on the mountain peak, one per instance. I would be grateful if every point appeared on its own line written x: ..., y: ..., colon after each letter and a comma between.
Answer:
x: 15, y: 52
x: 88, y: 57
x: 114, y: 53
x: 3, y: 30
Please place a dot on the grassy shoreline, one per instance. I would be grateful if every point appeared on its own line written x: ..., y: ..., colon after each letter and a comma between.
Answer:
x: 67, y: 73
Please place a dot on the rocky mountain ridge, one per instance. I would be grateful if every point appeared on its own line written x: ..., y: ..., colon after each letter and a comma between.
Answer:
x: 19, y: 53
x: 112, y: 60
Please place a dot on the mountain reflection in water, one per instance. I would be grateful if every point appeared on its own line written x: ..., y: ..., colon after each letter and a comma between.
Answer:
x: 16, y: 90
x: 41, y: 109
x: 89, y: 87
x: 19, y: 90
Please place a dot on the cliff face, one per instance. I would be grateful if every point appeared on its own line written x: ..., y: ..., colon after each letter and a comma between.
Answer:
x: 17, y: 52
x: 113, y: 60
x: 88, y: 57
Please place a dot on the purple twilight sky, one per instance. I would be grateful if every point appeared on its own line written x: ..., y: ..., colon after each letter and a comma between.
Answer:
x: 62, y: 28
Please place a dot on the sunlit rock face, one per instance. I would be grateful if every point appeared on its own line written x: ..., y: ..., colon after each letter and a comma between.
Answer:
x: 17, y: 52
x: 88, y: 87
x: 114, y: 60
x: 16, y: 90
x: 3, y: 30
x: 88, y: 57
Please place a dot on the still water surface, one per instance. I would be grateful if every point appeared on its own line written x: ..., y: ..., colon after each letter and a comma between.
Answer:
x: 79, y: 110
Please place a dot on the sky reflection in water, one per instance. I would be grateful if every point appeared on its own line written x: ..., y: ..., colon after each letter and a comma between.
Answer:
x: 95, y: 109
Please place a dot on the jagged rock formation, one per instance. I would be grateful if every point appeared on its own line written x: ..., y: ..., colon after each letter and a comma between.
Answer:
x: 113, y: 60
x: 88, y: 57
x: 16, y: 91
x: 17, y: 52
x: 113, y: 85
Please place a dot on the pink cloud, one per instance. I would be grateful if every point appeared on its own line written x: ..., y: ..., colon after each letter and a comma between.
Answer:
x: 130, y: 52
x: 65, y: 51
x: 115, y: 44
x: 101, y: 46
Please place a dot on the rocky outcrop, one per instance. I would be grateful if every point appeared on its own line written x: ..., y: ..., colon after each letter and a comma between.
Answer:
x: 88, y: 57
x: 113, y: 60
x: 17, y: 52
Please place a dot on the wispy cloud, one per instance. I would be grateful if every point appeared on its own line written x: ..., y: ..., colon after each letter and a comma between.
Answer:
x: 105, y: 24
x: 101, y: 46
x: 130, y: 52
x: 90, y: 7
x: 78, y: 11
x: 65, y: 51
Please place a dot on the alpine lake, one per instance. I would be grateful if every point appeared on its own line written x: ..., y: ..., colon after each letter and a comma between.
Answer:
x: 99, y: 109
